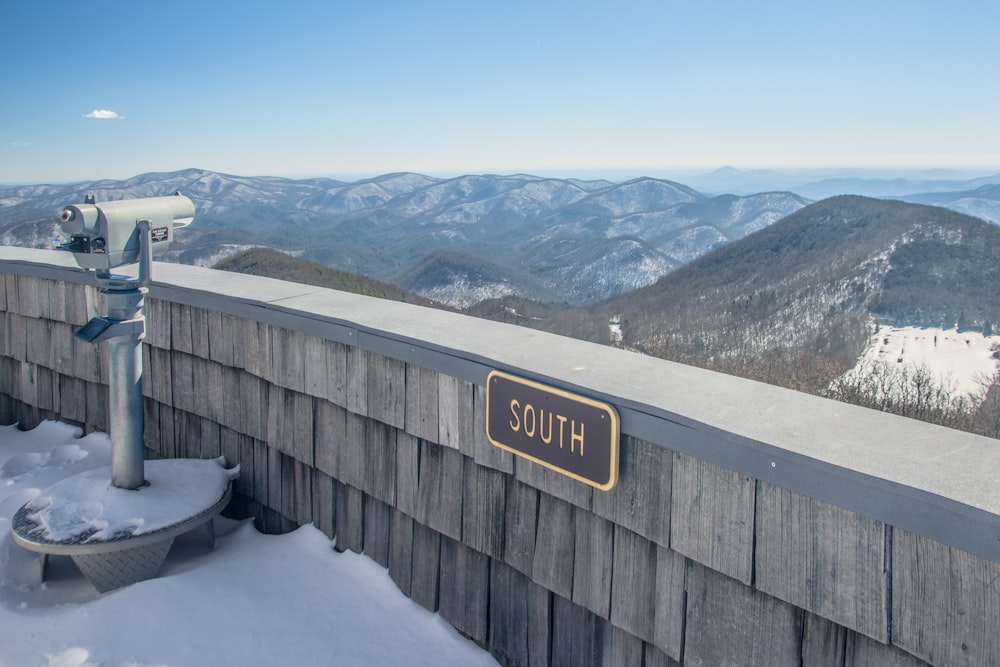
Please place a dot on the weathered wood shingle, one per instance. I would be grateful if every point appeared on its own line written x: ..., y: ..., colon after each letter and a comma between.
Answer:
x: 592, y: 563
x: 380, y: 461
x: 508, y: 617
x: 719, y: 629
x: 61, y: 340
x: 377, y: 530
x: 287, y: 356
x: 577, y: 635
x: 464, y: 589
x: 439, y: 495
x: 353, y: 452
x: 455, y: 415
x: 823, y: 642
x: 261, y: 462
x: 426, y: 566
x: 316, y: 372
x: 324, y: 503
x: 39, y: 346
x: 633, y: 589
x: 401, y: 551
x: 27, y: 301
x: 386, y: 400
x: 158, y: 325
x: 180, y: 327
x: 555, y: 543
x: 520, y: 526
x: 17, y: 343
x: 303, y: 428
x: 669, y: 619
x: 330, y: 426
x: 407, y: 472
x: 356, y: 387
x: 279, y: 418
x: 74, y: 398
x: 55, y: 300
x: 963, y: 591
x: 187, y: 373
x: 641, y: 499
x: 97, y: 406
x: 823, y: 559
x: 619, y: 647
x: 215, y: 391
x: 252, y: 406
x: 483, y: 507
x: 712, y: 516
x: 350, y: 519
x: 88, y: 360
x: 421, y: 403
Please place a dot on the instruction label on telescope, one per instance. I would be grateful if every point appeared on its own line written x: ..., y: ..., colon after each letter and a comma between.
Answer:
x: 566, y: 432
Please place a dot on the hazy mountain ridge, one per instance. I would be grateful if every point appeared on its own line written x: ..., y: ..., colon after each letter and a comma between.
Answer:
x: 830, y: 182
x: 983, y: 202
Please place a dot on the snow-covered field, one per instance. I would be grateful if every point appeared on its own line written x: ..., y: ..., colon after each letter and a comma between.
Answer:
x: 961, y: 361
x: 255, y: 600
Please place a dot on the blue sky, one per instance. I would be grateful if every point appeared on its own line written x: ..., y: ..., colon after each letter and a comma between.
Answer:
x: 561, y: 88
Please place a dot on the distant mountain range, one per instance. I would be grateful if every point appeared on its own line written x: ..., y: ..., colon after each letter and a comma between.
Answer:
x: 463, y: 240
x: 566, y: 240
x: 822, y: 183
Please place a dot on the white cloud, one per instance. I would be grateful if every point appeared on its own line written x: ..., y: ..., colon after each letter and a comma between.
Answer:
x: 103, y: 114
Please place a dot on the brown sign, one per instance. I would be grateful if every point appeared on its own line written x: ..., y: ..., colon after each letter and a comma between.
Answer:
x: 574, y: 435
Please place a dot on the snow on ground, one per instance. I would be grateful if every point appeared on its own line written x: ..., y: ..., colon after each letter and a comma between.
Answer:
x: 255, y: 600
x: 961, y: 360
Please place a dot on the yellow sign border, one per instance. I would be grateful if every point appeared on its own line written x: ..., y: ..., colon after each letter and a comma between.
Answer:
x: 607, y: 408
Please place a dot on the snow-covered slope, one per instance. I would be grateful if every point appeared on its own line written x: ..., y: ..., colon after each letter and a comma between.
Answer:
x: 961, y: 362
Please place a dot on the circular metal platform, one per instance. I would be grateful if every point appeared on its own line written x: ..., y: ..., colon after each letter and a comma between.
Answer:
x: 122, y: 556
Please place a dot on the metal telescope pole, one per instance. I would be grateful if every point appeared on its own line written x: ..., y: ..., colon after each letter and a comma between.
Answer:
x: 125, y: 390
x: 125, y: 300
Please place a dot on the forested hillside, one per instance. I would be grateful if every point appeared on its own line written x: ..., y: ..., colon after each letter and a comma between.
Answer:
x: 273, y: 264
x: 809, y: 284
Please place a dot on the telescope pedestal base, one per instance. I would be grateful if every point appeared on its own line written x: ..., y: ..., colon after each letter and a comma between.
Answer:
x: 116, y: 569
x: 123, y: 557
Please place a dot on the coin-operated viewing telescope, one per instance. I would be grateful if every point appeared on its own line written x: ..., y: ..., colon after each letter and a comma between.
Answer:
x: 106, y: 235
x: 119, y: 534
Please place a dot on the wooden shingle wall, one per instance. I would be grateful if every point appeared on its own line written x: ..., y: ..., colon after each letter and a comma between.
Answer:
x: 684, y: 562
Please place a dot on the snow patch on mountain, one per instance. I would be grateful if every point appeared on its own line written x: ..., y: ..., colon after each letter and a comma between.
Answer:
x: 966, y: 362
x: 462, y: 292
x: 692, y: 243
